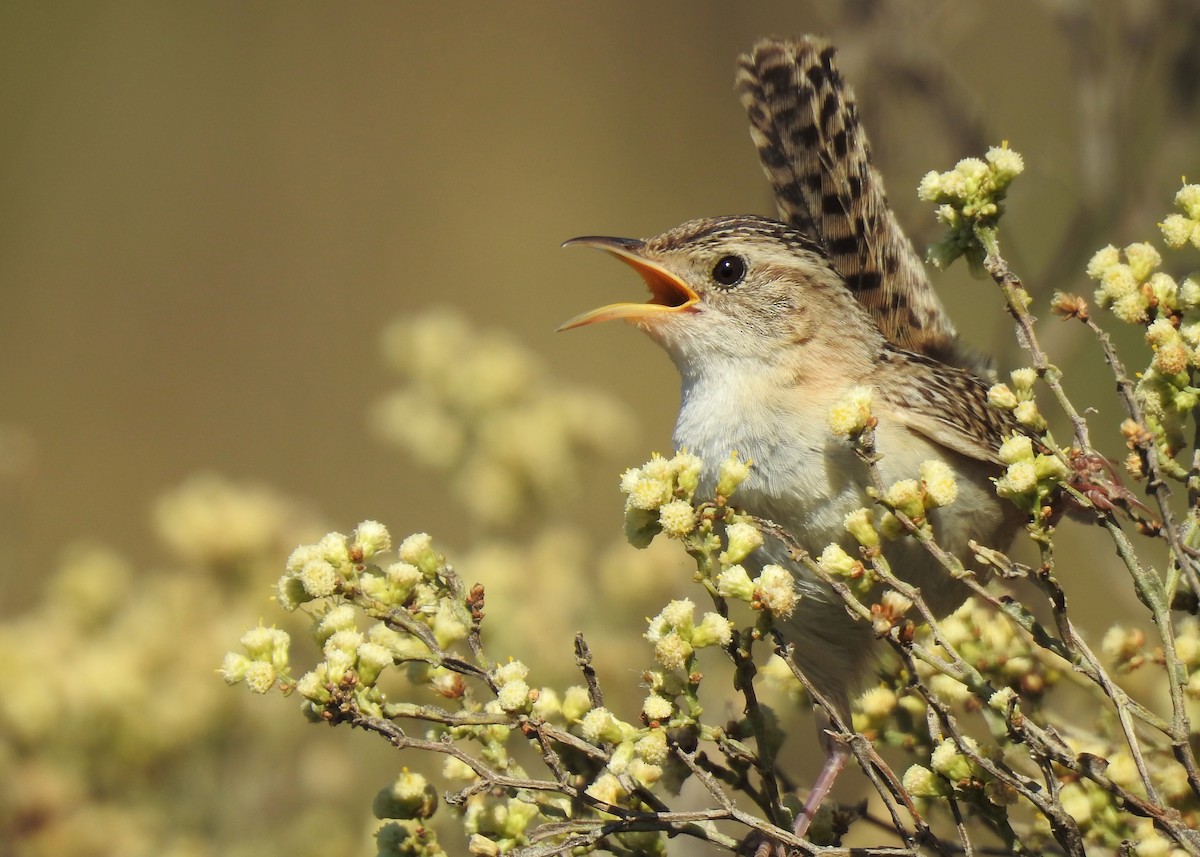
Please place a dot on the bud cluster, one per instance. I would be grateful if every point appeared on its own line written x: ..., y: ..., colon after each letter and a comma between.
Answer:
x: 1030, y: 477
x: 1003, y: 655
x: 1183, y: 228
x: 970, y: 203
x: 1102, y: 818
x: 264, y: 662
x: 676, y: 635
x: 1136, y: 293
x: 1019, y: 399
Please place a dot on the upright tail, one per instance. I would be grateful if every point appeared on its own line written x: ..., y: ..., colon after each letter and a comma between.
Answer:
x: 804, y: 121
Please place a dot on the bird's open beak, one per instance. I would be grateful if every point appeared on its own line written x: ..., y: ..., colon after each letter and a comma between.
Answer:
x: 669, y: 294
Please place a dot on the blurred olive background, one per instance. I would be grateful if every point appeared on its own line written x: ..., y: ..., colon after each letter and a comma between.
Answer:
x: 210, y: 211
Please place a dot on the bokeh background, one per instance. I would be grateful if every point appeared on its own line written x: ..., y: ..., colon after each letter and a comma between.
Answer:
x: 211, y: 212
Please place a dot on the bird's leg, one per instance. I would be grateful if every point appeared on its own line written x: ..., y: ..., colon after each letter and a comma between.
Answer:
x: 836, y: 755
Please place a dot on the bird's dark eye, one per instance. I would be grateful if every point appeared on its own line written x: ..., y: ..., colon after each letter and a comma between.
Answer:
x: 729, y: 271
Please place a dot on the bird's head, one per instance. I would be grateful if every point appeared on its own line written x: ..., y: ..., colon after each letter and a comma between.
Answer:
x: 738, y: 288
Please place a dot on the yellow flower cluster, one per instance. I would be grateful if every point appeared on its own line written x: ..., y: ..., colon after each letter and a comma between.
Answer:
x: 1029, y: 477
x: 851, y: 414
x: 1103, y: 821
x: 1170, y: 309
x: 99, y: 755
x: 993, y: 645
x: 1179, y: 229
x: 970, y: 203
x: 1131, y: 287
x: 264, y: 661
x: 658, y: 497
x: 1019, y: 399
x: 676, y: 635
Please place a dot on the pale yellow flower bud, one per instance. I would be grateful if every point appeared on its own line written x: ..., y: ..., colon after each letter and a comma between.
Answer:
x: 652, y: 747
x: 852, y: 412
x: 860, y: 524
x: 1117, y: 284
x: 1102, y: 260
x: 1024, y: 379
x: 742, y: 539
x: 1006, y: 164
x: 1046, y: 467
x: 233, y: 667
x: 629, y: 479
x: 372, y: 537
x: 600, y: 724
x: 410, y: 796
x: 1143, y: 259
x: 1000, y: 396
x: 714, y: 629
x: 919, y: 781
x: 777, y: 591
x: 645, y: 773
x: 1020, y: 478
x: 734, y: 582
x: 607, y: 788
x: 332, y: 548
x: 688, y: 468
x: 732, y: 473
x: 649, y: 494
x: 1161, y: 332
x: 373, y: 659
x: 450, y: 623
x: 418, y: 550
x: 1165, y: 290
x: 905, y: 496
x: 454, y: 768
x: 1027, y: 414
x: 895, y: 604
x: 576, y: 703
x: 1187, y: 649
x: 659, y: 468
x: 937, y: 478
x: 1188, y: 198
x: 1131, y: 308
x: 1176, y: 230
x: 548, y: 705
x: 1151, y: 843
x: 878, y: 703
x: 259, y: 676
x: 836, y: 561
x: 657, y: 707
x: 930, y: 187
x: 1001, y: 699
x: 514, y: 696
x: 677, y: 615
x: 677, y: 518
x: 319, y: 578
x: 480, y: 846
x: 950, y: 763
x: 1019, y: 447
x: 949, y: 689
x: 346, y: 641
x: 1171, y: 359
x: 672, y: 651
x: 1075, y: 801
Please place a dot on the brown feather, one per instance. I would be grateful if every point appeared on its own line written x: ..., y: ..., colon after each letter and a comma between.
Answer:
x: 804, y: 122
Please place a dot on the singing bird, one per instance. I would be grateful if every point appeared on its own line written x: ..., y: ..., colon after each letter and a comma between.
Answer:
x: 771, y: 323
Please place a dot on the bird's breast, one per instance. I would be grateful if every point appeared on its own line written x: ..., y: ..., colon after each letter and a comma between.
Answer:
x: 801, y: 476
x: 807, y: 480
